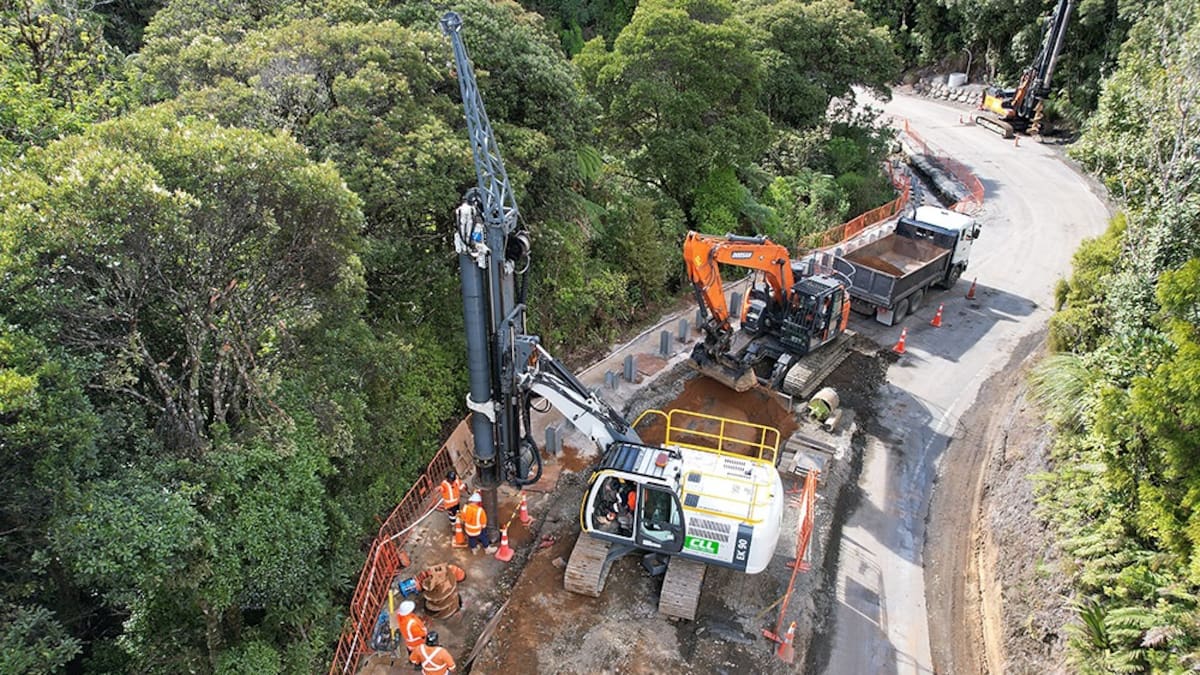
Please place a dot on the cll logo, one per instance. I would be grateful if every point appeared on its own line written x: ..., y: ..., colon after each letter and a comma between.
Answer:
x: 707, y: 546
x: 741, y: 255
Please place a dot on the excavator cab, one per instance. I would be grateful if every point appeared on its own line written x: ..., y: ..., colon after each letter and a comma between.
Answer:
x: 817, y: 314
x: 623, y: 509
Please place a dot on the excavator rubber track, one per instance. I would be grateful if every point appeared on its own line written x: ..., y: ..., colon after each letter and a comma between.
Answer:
x: 806, y: 376
x: 994, y: 124
x: 588, y: 566
x: 681, y: 588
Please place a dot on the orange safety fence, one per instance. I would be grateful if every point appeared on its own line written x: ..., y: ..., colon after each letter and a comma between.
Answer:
x: 848, y: 229
x: 384, y: 558
x: 974, y: 199
x: 969, y: 204
x: 807, y: 501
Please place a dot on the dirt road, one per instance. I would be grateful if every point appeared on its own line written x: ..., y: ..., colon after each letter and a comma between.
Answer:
x: 1037, y: 209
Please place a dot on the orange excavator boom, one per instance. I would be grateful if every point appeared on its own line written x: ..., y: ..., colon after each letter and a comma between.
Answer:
x: 702, y: 253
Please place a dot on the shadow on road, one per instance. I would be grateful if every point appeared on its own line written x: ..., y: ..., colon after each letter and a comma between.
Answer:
x: 964, y: 322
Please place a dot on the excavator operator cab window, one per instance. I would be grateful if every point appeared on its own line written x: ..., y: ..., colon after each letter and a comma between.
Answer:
x: 613, y: 507
x: 660, y: 522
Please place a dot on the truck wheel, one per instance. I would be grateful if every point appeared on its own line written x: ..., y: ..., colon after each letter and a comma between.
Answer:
x: 918, y: 299
x: 952, y: 278
x: 900, y: 311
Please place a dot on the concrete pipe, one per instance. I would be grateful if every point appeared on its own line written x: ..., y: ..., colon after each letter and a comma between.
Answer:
x: 823, y: 403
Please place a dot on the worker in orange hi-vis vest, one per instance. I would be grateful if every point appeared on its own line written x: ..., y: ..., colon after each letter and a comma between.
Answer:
x: 452, y: 489
x: 475, y: 525
x: 411, y: 627
x: 433, y: 660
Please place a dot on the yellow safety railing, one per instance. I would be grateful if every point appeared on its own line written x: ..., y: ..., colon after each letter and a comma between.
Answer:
x: 721, y: 435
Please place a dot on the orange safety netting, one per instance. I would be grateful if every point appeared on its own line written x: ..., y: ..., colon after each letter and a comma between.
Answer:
x: 383, y: 562
x: 969, y: 205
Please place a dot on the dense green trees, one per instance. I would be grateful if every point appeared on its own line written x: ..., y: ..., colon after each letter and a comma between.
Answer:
x: 162, y: 273
x: 1125, y: 492
x: 231, y: 336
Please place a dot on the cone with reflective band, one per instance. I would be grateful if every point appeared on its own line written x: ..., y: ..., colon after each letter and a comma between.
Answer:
x: 460, y: 539
x: 971, y: 290
x: 523, y: 514
x: 786, y: 652
x: 937, y: 318
x: 899, y: 348
x: 505, y: 553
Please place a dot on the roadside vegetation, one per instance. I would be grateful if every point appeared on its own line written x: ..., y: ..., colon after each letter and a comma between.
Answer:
x: 1123, y: 385
x: 231, y: 330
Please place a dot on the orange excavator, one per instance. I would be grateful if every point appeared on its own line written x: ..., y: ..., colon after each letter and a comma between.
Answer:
x: 786, y: 314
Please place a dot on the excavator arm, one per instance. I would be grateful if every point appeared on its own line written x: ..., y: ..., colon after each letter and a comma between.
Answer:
x: 702, y: 253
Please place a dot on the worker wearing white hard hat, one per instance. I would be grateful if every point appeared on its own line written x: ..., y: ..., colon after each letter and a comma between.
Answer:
x: 411, y: 627
x: 474, y: 521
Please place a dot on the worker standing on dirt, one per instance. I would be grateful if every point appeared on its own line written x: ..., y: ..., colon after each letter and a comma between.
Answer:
x: 431, y: 658
x: 452, y: 489
x: 475, y: 524
x: 411, y: 627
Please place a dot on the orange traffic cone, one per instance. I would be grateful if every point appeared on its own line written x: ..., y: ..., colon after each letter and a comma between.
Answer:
x: 786, y: 652
x: 523, y: 514
x: 460, y: 539
x: 937, y: 318
x: 505, y: 553
x: 971, y: 290
x: 899, y: 348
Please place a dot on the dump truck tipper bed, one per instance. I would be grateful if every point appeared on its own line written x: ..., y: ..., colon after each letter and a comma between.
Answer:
x: 890, y: 276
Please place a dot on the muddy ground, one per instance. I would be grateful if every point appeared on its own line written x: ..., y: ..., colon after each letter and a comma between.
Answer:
x: 1006, y: 610
x: 545, y: 629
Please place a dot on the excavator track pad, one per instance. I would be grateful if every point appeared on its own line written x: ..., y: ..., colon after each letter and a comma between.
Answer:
x: 806, y: 376
x: 994, y: 124
x: 681, y: 588
x: 588, y: 566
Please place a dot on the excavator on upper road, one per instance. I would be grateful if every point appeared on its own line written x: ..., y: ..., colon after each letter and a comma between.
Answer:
x: 787, y: 313
x: 1009, y: 111
x: 708, y: 494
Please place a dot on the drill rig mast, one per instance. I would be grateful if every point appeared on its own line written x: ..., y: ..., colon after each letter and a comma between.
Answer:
x: 506, y: 366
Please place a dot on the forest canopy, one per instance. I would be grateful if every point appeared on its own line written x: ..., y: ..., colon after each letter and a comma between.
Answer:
x: 232, y: 331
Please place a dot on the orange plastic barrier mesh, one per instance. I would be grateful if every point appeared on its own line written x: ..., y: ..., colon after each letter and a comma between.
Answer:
x: 969, y: 205
x: 383, y: 562
x: 974, y: 199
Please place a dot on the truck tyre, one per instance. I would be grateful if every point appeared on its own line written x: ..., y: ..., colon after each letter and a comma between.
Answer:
x: 952, y: 277
x: 900, y: 311
x: 918, y: 299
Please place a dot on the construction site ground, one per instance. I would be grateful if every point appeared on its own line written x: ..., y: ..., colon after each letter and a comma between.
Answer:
x: 894, y: 585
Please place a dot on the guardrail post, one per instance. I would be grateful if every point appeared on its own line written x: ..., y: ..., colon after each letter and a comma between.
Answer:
x: 683, y: 330
x: 735, y: 304
x: 664, y: 343
x: 629, y: 368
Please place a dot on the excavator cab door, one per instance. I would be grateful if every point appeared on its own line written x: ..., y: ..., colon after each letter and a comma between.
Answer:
x: 607, y: 509
x: 660, y: 520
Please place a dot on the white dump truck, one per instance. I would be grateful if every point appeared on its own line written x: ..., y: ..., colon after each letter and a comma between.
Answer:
x: 890, y: 276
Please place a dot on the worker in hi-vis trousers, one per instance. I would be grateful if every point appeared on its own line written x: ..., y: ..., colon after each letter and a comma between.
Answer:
x: 431, y: 658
